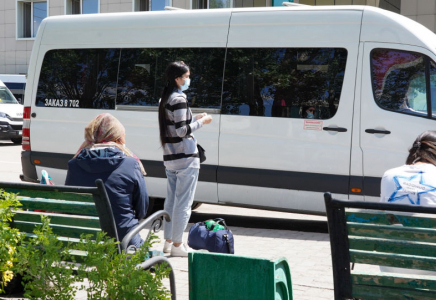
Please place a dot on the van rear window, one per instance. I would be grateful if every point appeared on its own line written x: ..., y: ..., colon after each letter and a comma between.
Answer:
x: 79, y: 78
x: 284, y: 82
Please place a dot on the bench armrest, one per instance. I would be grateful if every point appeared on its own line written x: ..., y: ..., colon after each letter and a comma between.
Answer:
x: 156, y: 222
x: 156, y: 261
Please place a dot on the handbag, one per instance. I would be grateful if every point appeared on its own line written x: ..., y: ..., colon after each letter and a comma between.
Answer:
x: 212, y: 238
x: 201, y: 153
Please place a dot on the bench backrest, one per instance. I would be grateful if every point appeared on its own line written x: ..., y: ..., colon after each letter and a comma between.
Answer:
x: 72, y: 210
x: 216, y: 276
x: 382, y: 234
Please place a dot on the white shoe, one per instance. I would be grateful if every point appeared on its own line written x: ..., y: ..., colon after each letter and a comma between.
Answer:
x: 167, y: 247
x: 180, y: 251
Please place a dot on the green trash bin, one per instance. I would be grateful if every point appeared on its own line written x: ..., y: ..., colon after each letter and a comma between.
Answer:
x: 214, y: 276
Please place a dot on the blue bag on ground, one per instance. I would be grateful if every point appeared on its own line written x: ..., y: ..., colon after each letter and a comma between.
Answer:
x: 212, y: 235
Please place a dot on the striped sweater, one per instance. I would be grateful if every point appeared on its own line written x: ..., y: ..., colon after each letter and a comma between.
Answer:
x: 180, y: 150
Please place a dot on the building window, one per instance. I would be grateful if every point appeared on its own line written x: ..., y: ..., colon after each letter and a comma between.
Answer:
x: 29, y: 17
x: 253, y: 3
x: 203, y: 4
x: 159, y: 4
x: 142, y: 5
x: 76, y: 7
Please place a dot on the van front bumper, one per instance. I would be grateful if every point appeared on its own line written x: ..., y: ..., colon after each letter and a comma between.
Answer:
x: 10, y: 131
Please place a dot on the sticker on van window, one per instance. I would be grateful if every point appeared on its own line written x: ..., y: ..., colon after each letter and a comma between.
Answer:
x: 312, y: 125
x: 61, y: 103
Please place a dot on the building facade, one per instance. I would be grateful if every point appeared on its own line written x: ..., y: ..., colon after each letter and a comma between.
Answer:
x: 20, y: 19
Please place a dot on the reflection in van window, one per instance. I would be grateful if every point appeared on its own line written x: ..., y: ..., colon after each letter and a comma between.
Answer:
x: 433, y: 87
x: 79, y: 78
x: 284, y: 82
x: 6, y: 96
x: 140, y: 80
x: 398, y: 80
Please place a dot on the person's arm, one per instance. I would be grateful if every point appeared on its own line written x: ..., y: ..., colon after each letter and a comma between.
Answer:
x: 140, y: 195
x: 183, y: 126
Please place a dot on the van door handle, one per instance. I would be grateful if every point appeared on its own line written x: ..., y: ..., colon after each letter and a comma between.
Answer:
x: 378, y: 131
x: 338, y: 129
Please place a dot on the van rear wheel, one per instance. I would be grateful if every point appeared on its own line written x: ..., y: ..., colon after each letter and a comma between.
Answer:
x: 17, y: 140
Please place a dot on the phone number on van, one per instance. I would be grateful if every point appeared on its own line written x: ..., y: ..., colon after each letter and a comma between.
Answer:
x: 61, y: 103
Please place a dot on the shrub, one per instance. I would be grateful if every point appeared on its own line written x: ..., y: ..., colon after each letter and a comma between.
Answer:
x: 9, y: 238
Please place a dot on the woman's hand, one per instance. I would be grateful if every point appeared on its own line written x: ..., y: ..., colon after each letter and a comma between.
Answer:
x: 206, y: 119
x: 199, y: 116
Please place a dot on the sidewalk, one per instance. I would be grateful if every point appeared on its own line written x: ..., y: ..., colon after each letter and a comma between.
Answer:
x: 308, y: 254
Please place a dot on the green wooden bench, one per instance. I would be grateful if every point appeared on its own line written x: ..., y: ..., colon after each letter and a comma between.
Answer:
x: 382, y: 234
x: 216, y: 276
x: 78, y: 210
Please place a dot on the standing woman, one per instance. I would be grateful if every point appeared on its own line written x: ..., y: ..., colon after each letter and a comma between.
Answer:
x: 180, y: 154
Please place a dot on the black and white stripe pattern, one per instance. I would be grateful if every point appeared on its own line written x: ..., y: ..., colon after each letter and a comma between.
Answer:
x: 180, y: 150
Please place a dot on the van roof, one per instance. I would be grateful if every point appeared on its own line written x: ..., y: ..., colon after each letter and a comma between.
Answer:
x: 102, y: 30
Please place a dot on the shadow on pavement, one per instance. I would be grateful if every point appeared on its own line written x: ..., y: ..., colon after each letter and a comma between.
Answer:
x: 264, y: 223
x: 8, y: 144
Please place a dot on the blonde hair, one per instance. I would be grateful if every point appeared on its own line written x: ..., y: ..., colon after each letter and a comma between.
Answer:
x: 106, y: 131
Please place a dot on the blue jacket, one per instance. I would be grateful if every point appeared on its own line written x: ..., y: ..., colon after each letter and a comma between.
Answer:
x: 124, y: 182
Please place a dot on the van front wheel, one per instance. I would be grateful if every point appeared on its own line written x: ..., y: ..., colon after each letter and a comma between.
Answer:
x: 17, y: 141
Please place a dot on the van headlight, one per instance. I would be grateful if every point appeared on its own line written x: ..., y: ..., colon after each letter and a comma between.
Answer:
x: 4, y: 115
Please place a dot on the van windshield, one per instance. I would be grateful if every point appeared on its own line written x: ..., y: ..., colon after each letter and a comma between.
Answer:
x: 6, y: 97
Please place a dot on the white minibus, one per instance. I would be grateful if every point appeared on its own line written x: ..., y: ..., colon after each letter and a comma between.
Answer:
x: 304, y: 99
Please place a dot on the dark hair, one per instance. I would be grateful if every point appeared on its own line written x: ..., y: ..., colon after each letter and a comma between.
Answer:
x: 304, y: 110
x: 174, y: 70
x: 423, y: 149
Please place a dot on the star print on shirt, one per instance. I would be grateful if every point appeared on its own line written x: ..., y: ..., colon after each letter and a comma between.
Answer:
x: 410, y: 188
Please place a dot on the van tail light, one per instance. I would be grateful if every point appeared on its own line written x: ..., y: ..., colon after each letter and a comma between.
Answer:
x: 26, y: 129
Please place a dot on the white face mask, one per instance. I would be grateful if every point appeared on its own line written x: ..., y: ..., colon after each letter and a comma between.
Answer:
x: 185, y: 86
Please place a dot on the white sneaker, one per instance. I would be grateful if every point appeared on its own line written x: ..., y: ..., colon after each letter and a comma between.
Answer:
x: 167, y: 247
x: 180, y: 251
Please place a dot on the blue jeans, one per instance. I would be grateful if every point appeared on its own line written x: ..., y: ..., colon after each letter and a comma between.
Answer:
x: 180, y: 195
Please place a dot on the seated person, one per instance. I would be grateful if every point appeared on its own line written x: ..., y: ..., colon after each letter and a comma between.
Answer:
x: 104, y: 156
x: 413, y: 183
x: 308, y: 112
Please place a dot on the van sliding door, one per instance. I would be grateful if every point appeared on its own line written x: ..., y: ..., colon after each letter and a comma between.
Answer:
x: 286, y: 120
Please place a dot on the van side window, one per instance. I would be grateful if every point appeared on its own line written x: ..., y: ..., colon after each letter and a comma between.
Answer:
x: 283, y: 82
x: 399, y: 81
x: 79, y: 78
x: 140, y: 80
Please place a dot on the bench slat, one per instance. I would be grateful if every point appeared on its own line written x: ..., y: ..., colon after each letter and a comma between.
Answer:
x: 388, y: 218
x: 59, y: 206
x: 393, y: 260
x: 61, y: 230
x: 384, y: 293
x: 395, y: 280
x: 392, y: 232
x: 71, y: 220
x: 392, y: 246
x: 51, y: 195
